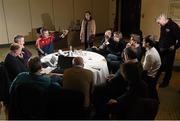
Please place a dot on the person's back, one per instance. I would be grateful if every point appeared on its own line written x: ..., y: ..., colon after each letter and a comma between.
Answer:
x: 28, y: 92
x: 33, y: 77
x: 13, y: 65
x: 80, y: 79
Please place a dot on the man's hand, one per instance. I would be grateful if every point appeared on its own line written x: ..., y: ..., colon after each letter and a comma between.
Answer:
x: 112, y: 101
x: 94, y: 47
x: 110, y: 77
x: 172, y: 47
x: 65, y: 32
x: 20, y: 55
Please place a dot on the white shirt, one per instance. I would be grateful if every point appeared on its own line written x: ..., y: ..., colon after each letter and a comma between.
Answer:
x: 152, y: 62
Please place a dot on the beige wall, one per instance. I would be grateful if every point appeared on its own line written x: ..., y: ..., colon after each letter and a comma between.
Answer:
x: 63, y: 13
x: 24, y: 16
x: 3, y: 31
x: 17, y: 18
x: 101, y: 14
x: 151, y: 9
x: 41, y: 15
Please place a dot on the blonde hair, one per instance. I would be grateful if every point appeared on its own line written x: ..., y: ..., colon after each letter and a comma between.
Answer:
x: 162, y: 15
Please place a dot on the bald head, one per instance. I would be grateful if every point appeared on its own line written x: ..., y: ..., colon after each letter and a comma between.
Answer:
x: 78, y: 61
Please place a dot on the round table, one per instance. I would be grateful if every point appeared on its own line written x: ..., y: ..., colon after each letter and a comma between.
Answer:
x: 92, y: 61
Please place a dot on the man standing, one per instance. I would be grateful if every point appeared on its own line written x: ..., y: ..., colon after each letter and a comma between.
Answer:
x: 169, y: 41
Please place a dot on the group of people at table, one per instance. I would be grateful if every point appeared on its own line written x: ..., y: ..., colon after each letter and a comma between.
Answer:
x: 128, y: 81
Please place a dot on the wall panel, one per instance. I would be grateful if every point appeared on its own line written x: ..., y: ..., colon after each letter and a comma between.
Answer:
x: 3, y: 30
x: 63, y: 13
x: 80, y: 6
x: 101, y: 14
x: 41, y: 14
x: 17, y: 18
x: 149, y: 10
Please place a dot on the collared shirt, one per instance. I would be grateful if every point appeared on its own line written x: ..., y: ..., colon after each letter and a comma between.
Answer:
x: 152, y: 62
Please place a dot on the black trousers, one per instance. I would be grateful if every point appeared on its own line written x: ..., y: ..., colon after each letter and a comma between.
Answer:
x: 151, y: 83
x: 167, y: 59
x: 88, y: 44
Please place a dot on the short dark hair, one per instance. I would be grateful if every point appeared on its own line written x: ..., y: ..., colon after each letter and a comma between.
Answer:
x: 34, y: 64
x: 39, y: 30
x: 136, y: 37
x: 130, y: 52
x: 44, y: 30
x: 14, y: 46
x: 132, y: 72
x: 149, y: 39
x: 17, y: 37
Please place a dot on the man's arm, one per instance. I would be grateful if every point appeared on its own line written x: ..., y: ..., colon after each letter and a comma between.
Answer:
x: 64, y: 33
x: 38, y: 47
x: 176, y: 33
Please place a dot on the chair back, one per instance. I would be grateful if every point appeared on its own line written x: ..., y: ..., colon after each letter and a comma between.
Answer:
x: 65, y: 104
x: 28, y: 101
x: 4, y: 84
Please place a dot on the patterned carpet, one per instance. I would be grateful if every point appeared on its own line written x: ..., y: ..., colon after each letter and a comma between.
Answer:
x: 169, y: 97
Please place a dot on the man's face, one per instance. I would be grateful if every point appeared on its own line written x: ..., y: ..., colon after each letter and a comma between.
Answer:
x: 132, y: 41
x: 144, y: 44
x: 116, y: 38
x: 45, y: 34
x: 161, y: 21
x: 21, y: 41
x: 107, y: 34
x: 18, y: 51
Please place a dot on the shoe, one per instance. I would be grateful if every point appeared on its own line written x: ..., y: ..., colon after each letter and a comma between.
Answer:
x: 162, y: 85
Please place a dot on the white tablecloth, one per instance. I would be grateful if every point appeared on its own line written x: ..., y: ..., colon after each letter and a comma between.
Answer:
x: 92, y: 61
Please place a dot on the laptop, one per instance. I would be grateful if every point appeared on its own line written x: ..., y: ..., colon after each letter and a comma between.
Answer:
x: 50, y: 63
x: 64, y: 62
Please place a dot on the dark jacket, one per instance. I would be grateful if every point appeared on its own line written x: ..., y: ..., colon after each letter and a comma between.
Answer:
x: 4, y: 87
x: 14, y: 66
x: 116, y: 48
x: 26, y: 55
x: 169, y: 33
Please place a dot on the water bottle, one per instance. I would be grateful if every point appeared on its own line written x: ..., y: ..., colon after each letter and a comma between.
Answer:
x: 70, y: 51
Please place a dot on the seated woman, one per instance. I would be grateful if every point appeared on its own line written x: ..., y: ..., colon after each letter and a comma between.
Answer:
x: 12, y: 63
x: 137, y: 89
x: 44, y: 43
x: 26, y: 54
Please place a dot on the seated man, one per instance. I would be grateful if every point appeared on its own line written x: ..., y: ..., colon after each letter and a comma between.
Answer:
x: 44, y: 43
x: 34, y: 76
x: 102, y: 49
x: 114, y: 87
x: 132, y: 73
x: 115, y: 48
x: 80, y: 79
x: 135, y: 44
x: 13, y: 65
x: 26, y: 54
